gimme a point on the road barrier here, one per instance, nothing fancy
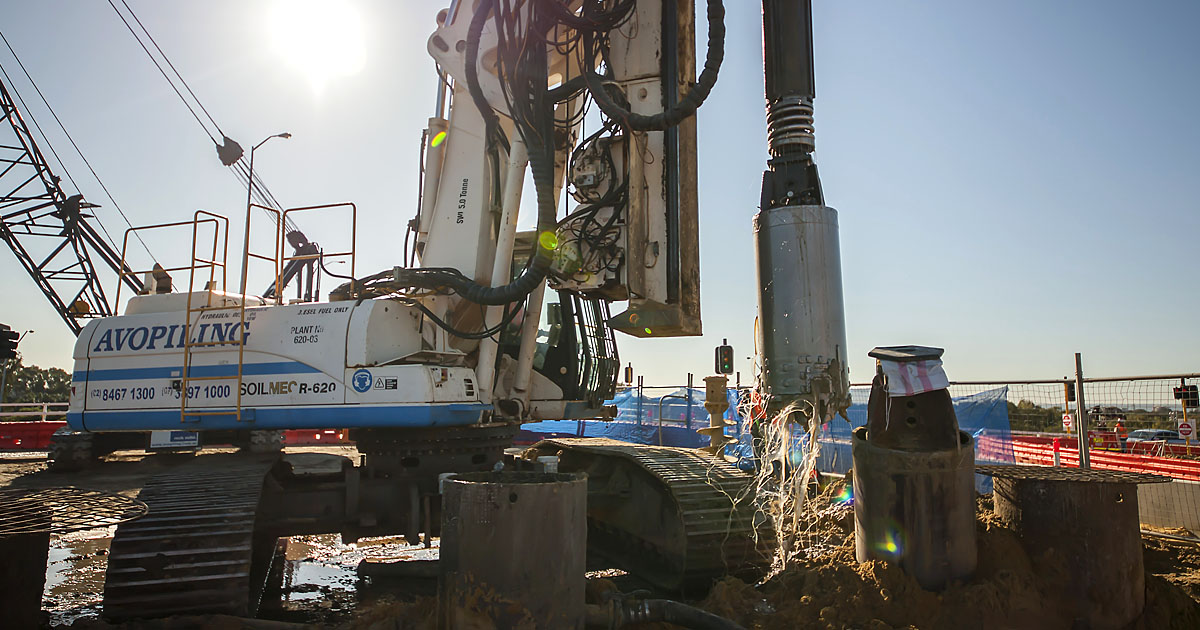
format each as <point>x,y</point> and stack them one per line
<point>27,436</point>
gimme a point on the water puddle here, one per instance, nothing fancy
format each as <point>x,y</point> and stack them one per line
<point>322,581</point>
<point>319,582</point>
<point>75,574</point>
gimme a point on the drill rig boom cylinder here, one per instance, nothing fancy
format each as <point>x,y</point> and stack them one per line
<point>518,159</point>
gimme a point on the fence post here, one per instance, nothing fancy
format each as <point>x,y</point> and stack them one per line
<point>45,408</point>
<point>1081,423</point>
<point>688,420</point>
<point>1187,438</point>
<point>640,393</point>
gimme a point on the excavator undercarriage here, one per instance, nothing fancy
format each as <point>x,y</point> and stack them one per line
<point>673,517</point>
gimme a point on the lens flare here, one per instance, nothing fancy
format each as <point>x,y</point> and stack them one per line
<point>438,139</point>
<point>548,240</point>
<point>892,543</point>
<point>846,496</point>
<point>649,332</point>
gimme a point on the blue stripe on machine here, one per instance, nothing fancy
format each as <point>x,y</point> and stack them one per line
<point>176,371</point>
<point>275,418</point>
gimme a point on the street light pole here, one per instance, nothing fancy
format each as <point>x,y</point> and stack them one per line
<point>249,200</point>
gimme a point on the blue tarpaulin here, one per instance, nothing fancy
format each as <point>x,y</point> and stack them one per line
<point>638,419</point>
<point>682,412</point>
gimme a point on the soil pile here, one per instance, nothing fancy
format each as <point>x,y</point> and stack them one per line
<point>1009,590</point>
<point>1176,561</point>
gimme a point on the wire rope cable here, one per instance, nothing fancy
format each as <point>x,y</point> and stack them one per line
<point>258,189</point>
<point>62,166</point>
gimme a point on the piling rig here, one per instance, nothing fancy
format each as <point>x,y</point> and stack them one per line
<point>433,364</point>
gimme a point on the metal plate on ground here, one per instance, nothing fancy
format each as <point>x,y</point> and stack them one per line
<point>1051,473</point>
<point>23,510</point>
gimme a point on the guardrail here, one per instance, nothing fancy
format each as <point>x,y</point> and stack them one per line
<point>10,412</point>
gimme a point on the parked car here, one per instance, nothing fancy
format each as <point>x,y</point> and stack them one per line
<point>1148,435</point>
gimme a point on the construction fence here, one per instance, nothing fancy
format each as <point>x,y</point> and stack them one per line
<point>1135,424</point>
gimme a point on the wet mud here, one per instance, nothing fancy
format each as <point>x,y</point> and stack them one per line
<point>321,584</point>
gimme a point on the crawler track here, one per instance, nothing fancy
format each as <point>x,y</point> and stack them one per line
<point>675,517</point>
<point>196,550</point>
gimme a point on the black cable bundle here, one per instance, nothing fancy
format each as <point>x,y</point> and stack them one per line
<point>522,70</point>
<point>687,105</point>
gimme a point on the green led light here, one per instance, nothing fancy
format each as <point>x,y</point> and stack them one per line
<point>548,240</point>
<point>438,138</point>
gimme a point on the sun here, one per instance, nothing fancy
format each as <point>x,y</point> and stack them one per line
<point>320,39</point>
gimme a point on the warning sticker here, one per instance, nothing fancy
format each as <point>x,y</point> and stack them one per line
<point>387,382</point>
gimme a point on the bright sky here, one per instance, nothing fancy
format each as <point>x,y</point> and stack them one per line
<point>1015,179</point>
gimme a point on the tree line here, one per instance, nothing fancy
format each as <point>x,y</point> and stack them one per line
<point>1027,416</point>
<point>33,384</point>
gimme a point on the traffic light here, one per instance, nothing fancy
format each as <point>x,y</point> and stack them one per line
<point>8,343</point>
<point>724,358</point>
<point>629,373</point>
<point>1070,389</point>
<point>1188,394</point>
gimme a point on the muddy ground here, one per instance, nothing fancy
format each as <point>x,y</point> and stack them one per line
<point>1010,589</point>
<point>321,587</point>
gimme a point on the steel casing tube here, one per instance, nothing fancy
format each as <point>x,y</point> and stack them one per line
<point>916,508</point>
<point>802,321</point>
<point>513,551</point>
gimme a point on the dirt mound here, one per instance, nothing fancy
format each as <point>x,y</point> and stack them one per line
<point>1176,561</point>
<point>1009,590</point>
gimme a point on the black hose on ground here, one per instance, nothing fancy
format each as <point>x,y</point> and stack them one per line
<point>651,610</point>
<point>624,612</point>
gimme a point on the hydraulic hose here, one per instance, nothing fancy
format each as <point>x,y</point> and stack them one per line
<point>541,157</point>
<point>687,105</point>
<point>541,165</point>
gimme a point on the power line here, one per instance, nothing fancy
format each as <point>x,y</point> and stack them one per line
<point>29,114</point>
<point>240,168</point>
<point>172,66</point>
<point>73,144</point>
<point>160,69</point>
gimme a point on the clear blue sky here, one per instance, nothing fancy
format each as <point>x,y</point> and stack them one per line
<point>1016,180</point>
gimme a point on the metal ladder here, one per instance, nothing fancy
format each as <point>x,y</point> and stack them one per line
<point>214,261</point>
<point>194,338</point>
